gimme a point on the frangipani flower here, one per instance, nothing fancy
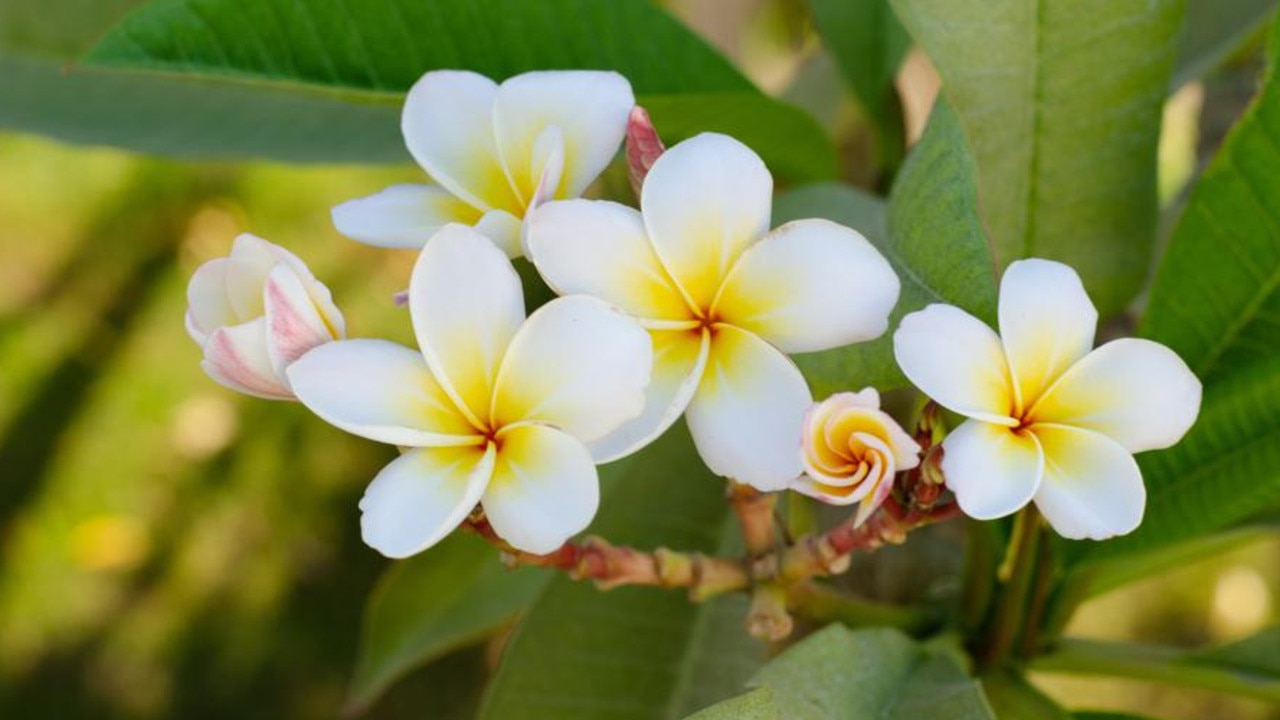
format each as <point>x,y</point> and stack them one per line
<point>494,410</point>
<point>495,151</point>
<point>1049,419</point>
<point>851,450</point>
<point>723,297</point>
<point>255,312</point>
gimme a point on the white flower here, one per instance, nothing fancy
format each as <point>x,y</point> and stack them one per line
<point>495,409</point>
<point>1050,420</point>
<point>255,312</point>
<point>851,451</point>
<point>723,297</point>
<point>495,151</point>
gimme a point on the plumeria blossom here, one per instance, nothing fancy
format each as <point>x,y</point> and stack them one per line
<point>1050,420</point>
<point>851,451</point>
<point>495,151</point>
<point>255,312</point>
<point>495,409</point>
<point>723,298</point>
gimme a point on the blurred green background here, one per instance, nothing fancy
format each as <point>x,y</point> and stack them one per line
<point>171,549</point>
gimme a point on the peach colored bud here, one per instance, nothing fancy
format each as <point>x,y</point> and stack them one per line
<point>643,147</point>
<point>256,311</point>
<point>851,452</point>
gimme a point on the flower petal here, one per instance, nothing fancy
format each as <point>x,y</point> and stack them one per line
<point>545,488</point>
<point>421,496</point>
<point>237,357</point>
<point>589,108</point>
<point>595,247</point>
<point>1092,488</point>
<point>1137,392</point>
<point>705,201</point>
<point>503,229</point>
<point>578,363</point>
<point>1046,323</point>
<point>402,216</point>
<point>679,359</point>
<point>208,306</point>
<point>294,324</point>
<point>992,470</point>
<point>957,360</point>
<point>810,285</point>
<point>379,390</point>
<point>747,415</point>
<point>248,265</point>
<point>466,303</point>
<point>448,127</point>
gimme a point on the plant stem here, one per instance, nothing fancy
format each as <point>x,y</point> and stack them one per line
<point>979,576</point>
<point>1019,566</point>
<point>820,603</point>
<point>1041,588</point>
<point>1160,664</point>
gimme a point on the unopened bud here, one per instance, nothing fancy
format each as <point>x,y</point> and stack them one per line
<point>643,147</point>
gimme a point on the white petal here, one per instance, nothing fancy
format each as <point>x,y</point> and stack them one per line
<point>747,415</point>
<point>466,303</point>
<point>1046,323</point>
<point>237,357</point>
<point>402,216</point>
<point>578,363</point>
<point>810,285</point>
<point>595,247</point>
<point>1092,488</point>
<point>590,108</point>
<point>544,490</point>
<point>208,307</point>
<point>503,229</point>
<point>448,127</point>
<point>705,201</point>
<point>294,325</point>
<point>992,470</point>
<point>379,390</point>
<point>957,360</point>
<point>679,358</point>
<point>1137,392</point>
<point>422,496</point>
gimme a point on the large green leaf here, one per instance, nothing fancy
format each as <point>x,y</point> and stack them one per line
<point>1013,698</point>
<point>1216,302</point>
<point>633,653</point>
<point>1212,31</point>
<point>868,44</point>
<point>839,674</point>
<point>1061,102</point>
<point>934,198</point>
<point>354,60</point>
<point>452,595</point>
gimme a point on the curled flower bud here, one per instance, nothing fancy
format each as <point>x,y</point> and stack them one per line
<point>851,451</point>
<point>643,147</point>
<point>255,312</point>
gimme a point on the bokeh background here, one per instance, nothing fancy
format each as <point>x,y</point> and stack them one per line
<point>169,549</point>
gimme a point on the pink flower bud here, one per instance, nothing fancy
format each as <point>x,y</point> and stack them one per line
<point>255,312</point>
<point>643,147</point>
<point>852,450</point>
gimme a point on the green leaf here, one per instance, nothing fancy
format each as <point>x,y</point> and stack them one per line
<point>1106,716</point>
<point>934,197</point>
<point>755,705</point>
<point>355,60</point>
<point>1061,102</point>
<point>1213,30</point>
<point>634,652</point>
<point>455,594</point>
<point>1216,302</point>
<point>881,674</point>
<point>1248,668</point>
<point>1013,698</point>
<point>868,44</point>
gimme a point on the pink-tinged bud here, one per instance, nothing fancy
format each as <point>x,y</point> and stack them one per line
<point>643,147</point>
<point>851,452</point>
<point>255,312</point>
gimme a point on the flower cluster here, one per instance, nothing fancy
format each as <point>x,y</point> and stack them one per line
<point>687,306</point>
